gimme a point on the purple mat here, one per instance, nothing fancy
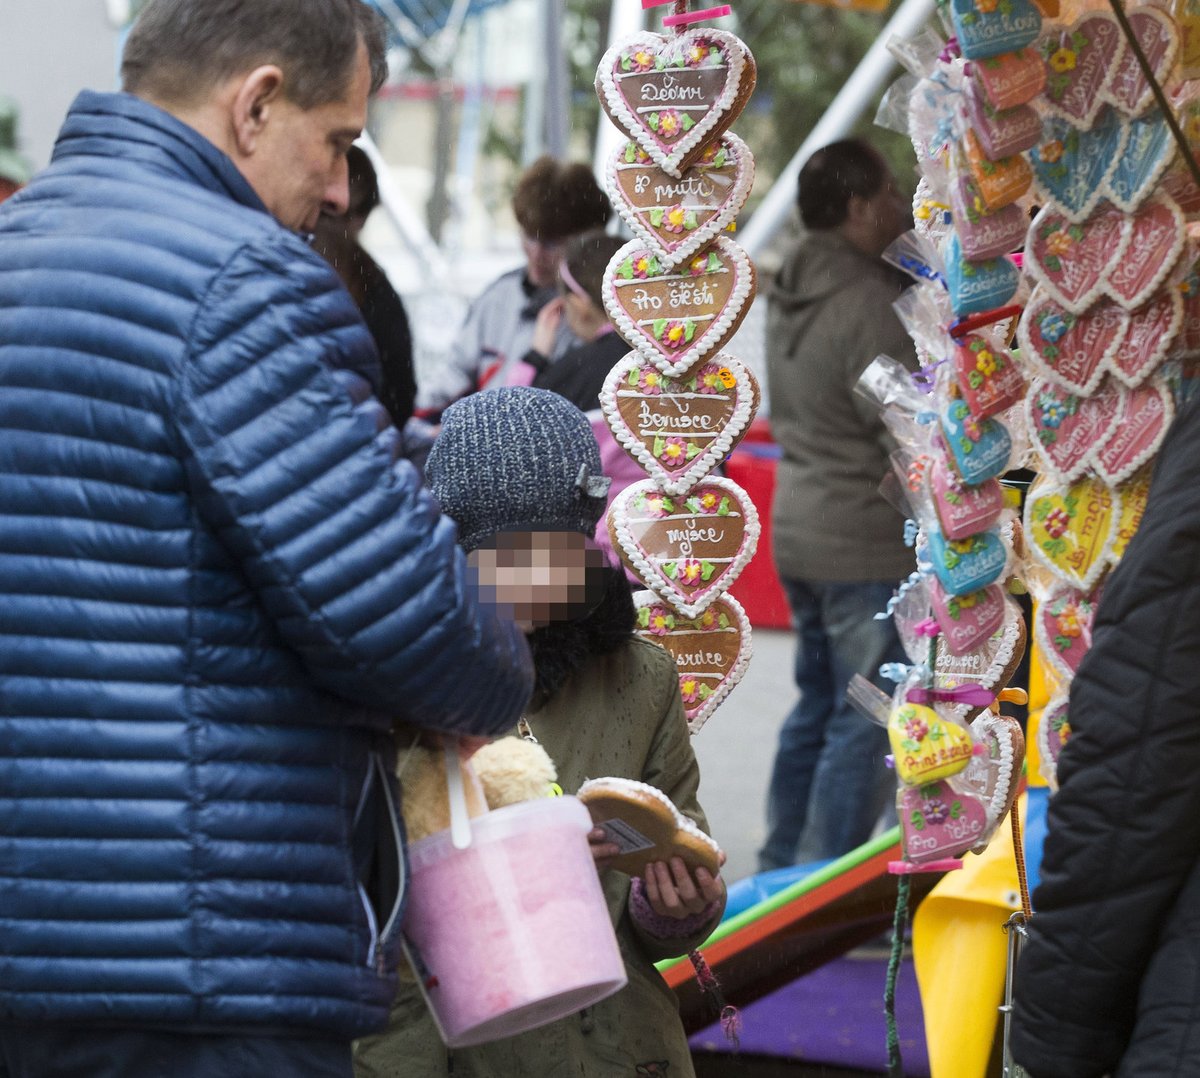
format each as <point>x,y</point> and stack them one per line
<point>833,1015</point>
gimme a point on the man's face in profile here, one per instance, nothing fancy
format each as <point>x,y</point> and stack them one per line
<point>540,577</point>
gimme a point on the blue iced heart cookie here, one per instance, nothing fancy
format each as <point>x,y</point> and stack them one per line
<point>1072,168</point>
<point>989,27</point>
<point>977,286</point>
<point>968,564</point>
<point>979,448</point>
<point>1149,151</point>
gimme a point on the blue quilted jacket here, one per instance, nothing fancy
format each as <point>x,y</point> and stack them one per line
<point>217,591</point>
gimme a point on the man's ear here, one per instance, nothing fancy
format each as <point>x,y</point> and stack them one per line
<point>253,101</point>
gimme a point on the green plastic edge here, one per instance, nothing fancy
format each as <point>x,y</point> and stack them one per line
<point>789,894</point>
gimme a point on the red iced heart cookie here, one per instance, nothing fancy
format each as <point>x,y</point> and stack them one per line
<point>1149,338</point>
<point>677,215</point>
<point>991,663</point>
<point>1063,630</point>
<point>995,774</point>
<point>675,95</point>
<point>938,821</point>
<point>1079,59</point>
<point>676,317</point>
<point>711,650</point>
<point>1155,241</point>
<point>1065,428</point>
<point>1144,415</point>
<point>966,621</point>
<point>687,549</point>
<point>679,429</point>
<point>1072,261</point>
<point>1071,349</point>
<point>963,510</point>
<point>1010,79</point>
<point>988,376</point>
<point>1127,87</point>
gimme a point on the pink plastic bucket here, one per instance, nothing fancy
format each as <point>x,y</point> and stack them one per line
<point>512,932</point>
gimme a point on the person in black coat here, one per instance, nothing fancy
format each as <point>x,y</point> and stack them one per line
<point>1109,980</point>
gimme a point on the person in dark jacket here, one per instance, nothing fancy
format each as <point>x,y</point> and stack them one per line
<point>838,545</point>
<point>1108,981</point>
<point>218,588</point>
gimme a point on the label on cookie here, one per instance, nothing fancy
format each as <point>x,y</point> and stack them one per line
<point>627,839</point>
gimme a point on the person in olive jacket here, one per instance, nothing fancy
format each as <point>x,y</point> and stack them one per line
<point>1109,980</point>
<point>218,587</point>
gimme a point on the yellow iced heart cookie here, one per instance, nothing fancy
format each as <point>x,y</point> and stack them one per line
<point>1133,493</point>
<point>925,746</point>
<point>1072,529</point>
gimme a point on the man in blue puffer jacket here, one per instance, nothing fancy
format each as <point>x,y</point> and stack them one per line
<point>218,588</point>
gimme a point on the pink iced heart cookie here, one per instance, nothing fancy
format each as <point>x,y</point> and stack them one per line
<point>1001,132</point>
<point>991,663</point>
<point>677,215</point>
<point>1065,428</point>
<point>1054,731</point>
<point>679,429</point>
<point>675,95</point>
<point>677,316</point>
<point>1149,338</point>
<point>688,549</point>
<point>963,510</point>
<point>1155,32</point>
<point>1063,629</point>
<point>938,821</point>
<point>983,233</point>
<point>1079,59</point>
<point>1155,241</point>
<point>1010,79</point>
<point>1071,349</point>
<point>1143,417</point>
<point>966,621</point>
<point>994,775</point>
<point>711,650</point>
<point>1072,261</point>
<point>990,380</point>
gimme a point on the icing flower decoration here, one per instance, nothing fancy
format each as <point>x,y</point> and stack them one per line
<point>1068,623</point>
<point>714,156</point>
<point>674,452</point>
<point>709,620</point>
<point>659,620</point>
<point>675,219</point>
<point>690,572</point>
<point>1054,411</point>
<point>698,265</point>
<point>696,55</point>
<point>650,381</point>
<point>1054,326</point>
<point>709,379</point>
<point>707,503</point>
<point>985,363</point>
<point>645,265</point>
<point>689,688</point>
<point>1063,60</point>
<point>642,60</point>
<point>1057,522</point>
<point>936,811</point>
<point>916,729</point>
<point>972,429</point>
<point>1190,285</point>
<point>1051,151</point>
<point>656,505</point>
<point>986,7</point>
<point>675,335</point>
<point>668,123</point>
<point>1060,243</point>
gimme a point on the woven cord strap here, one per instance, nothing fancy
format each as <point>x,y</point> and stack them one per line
<point>895,1063</point>
<point>731,1021</point>
<point>1019,855</point>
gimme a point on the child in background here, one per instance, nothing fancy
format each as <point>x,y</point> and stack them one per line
<point>522,463</point>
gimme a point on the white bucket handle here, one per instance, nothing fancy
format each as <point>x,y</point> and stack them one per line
<point>460,817</point>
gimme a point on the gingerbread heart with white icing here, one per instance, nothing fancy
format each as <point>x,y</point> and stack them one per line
<point>962,510</point>
<point>966,621</point>
<point>1071,528</point>
<point>1071,349</point>
<point>1155,241</point>
<point>1065,428</point>
<point>990,380</point>
<point>1053,732</point>
<point>675,316</point>
<point>675,95</point>
<point>1149,338</point>
<point>1134,493</point>
<point>994,775</point>
<point>711,650</point>
<point>1143,417</point>
<point>1079,60</point>
<point>989,662</point>
<point>1073,261</point>
<point>679,429</point>
<point>939,822</point>
<point>1127,87</point>
<point>680,214</point>
<point>1148,153</point>
<point>688,549</point>
<point>1063,629</point>
<point>1010,79</point>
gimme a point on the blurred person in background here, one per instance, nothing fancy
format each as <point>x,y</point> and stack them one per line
<point>14,169</point>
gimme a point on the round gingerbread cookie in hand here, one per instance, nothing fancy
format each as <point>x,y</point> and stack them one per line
<point>642,821</point>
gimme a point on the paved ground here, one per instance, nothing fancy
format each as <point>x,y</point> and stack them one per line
<point>736,747</point>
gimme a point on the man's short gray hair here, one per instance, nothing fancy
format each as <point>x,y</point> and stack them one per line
<point>178,50</point>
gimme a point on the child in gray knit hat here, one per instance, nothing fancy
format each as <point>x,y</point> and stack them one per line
<point>518,469</point>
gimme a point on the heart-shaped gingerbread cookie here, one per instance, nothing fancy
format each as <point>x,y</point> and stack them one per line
<point>962,510</point>
<point>1134,493</point>
<point>1155,32</point>
<point>938,821</point>
<point>989,662</point>
<point>966,622</point>
<point>1079,60</point>
<point>1073,261</point>
<point>678,215</point>
<point>675,95</point>
<point>1010,79</point>
<point>1143,416</point>
<point>689,549</point>
<point>1063,629</point>
<point>995,775</point>
<point>1071,349</point>
<point>1053,732</point>
<point>990,380</point>
<point>1071,528</point>
<point>926,746</point>
<point>1155,241</point>
<point>679,429</point>
<point>711,650</point>
<point>1001,131</point>
<point>1072,168</point>
<point>677,316</point>
<point>1065,428</point>
<point>1149,338</point>
<point>1148,153</point>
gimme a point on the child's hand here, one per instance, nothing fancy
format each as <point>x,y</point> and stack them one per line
<point>545,329</point>
<point>603,851</point>
<point>673,892</point>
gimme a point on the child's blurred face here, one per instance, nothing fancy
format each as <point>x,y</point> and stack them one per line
<point>578,312</point>
<point>540,577</point>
